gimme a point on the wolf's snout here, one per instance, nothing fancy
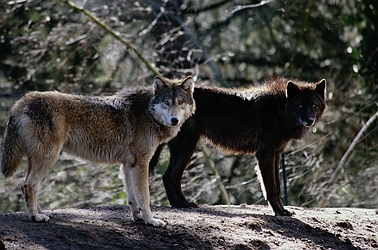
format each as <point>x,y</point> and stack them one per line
<point>174,121</point>
<point>309,122</point>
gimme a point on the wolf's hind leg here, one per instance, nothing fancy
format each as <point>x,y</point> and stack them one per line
<point>130,191</point>
<point>40,211</point>
<point>29,190</point>
<point>38,167</point>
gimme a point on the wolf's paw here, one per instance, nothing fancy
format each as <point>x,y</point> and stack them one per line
<point>46,213</point>
<point>137,216</point>
<point>156,223</point>
<point>40,218</point>
<point>184,204</point>
<point>284,212</point>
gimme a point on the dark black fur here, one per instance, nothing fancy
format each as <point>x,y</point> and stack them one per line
<point>262,120</point>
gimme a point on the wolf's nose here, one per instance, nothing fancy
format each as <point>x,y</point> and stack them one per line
<point>174,121</point>
<point>310,122</point>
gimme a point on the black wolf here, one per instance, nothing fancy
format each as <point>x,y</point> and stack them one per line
<point>261,120</point>
<point>124,128</point>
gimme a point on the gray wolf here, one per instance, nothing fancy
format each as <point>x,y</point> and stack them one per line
<point>261,120</point>
<point>124,128</point>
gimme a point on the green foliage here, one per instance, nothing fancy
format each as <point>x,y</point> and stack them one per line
<point>46,45</point>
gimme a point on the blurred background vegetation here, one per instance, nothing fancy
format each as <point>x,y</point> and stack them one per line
<point>47,45</point>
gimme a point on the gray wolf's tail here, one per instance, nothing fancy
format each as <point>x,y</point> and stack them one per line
<point>11,149</point>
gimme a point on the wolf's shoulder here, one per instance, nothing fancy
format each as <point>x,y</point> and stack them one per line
<point>134,95</point>
<point>129,98</point>
<point>135,92</point>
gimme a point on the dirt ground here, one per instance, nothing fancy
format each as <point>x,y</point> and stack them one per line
<point>206,227</point>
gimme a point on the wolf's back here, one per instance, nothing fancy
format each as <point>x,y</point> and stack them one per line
<point>11,148</point>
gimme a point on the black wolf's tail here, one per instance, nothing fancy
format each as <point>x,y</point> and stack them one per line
<point>11,149</point>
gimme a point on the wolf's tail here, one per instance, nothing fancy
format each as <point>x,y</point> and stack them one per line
<point>11,148</point>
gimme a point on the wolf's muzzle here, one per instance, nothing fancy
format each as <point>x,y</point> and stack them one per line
<point>309,122</point>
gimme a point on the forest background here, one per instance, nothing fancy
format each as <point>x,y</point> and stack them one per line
<point>49,45</point>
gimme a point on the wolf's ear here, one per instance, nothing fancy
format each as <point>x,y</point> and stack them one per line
<point>292,90</point>
<point>321,88</point>
<point>159,85</point>
<point>188,85</point>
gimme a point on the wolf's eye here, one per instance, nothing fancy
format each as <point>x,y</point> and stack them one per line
<point>300,106</point>
<point>166,103</point>
<point>180,102</point>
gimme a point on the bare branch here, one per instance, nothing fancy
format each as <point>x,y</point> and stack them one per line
<point>183,25</point>
<point>243,7</point>
<point>347,154</point>
<point>206,7</point>
<point>115,34</point>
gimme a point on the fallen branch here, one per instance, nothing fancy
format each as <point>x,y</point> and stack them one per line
<point>115,34</point>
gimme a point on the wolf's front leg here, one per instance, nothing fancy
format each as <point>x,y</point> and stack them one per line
<point>139,182</point>
<point>269,168</point>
